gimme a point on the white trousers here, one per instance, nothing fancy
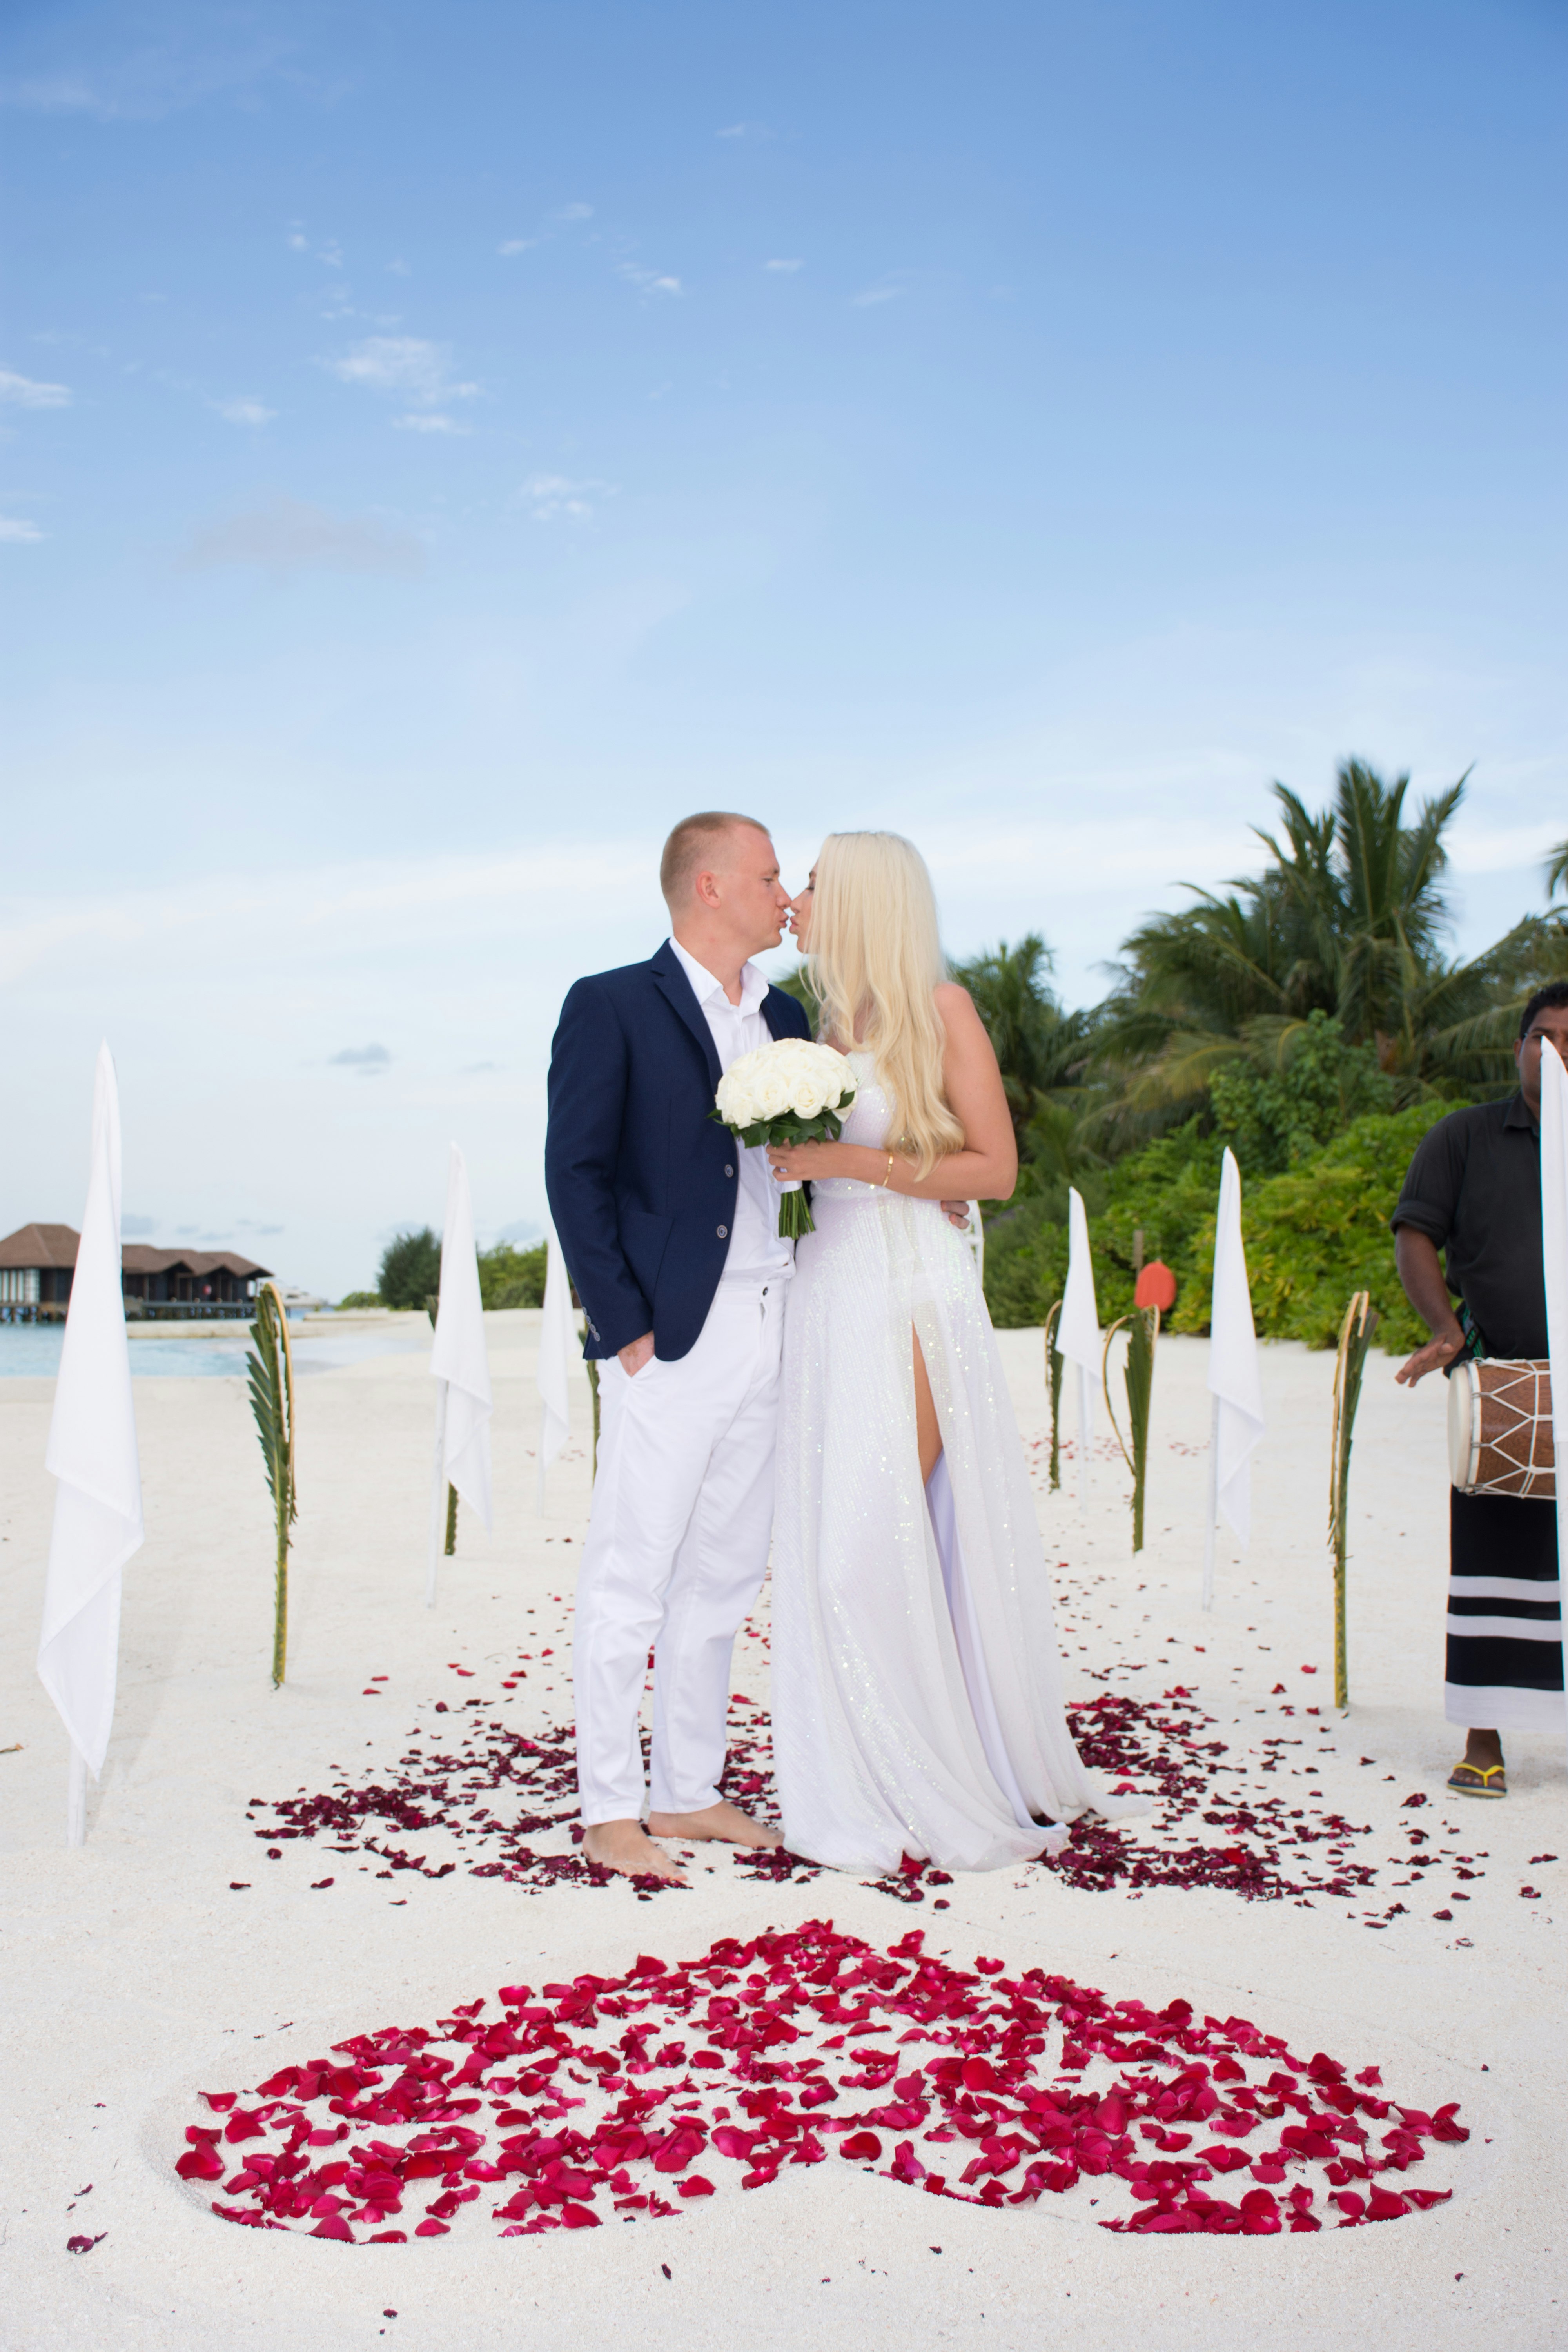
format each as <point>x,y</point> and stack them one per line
<point>675,1557</point>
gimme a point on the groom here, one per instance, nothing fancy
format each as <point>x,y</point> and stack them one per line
<point>670,1229</point>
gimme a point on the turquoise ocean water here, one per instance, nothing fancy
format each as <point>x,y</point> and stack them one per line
<point>32,1350</point>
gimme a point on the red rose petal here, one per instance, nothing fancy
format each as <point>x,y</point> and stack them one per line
<point>794,2017</point>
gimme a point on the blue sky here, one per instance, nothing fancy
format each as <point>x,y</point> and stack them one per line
<point>440,448</point>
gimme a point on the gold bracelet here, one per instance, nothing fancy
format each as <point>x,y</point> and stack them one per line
<point>889,1177</point>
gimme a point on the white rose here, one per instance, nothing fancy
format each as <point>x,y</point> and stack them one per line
<point>771,1091</point>
<point>807,1097</point>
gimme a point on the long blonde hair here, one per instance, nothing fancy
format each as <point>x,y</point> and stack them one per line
<point>876,961</point>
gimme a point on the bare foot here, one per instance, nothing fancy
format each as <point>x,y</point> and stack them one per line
<point>724,1822</point>
<point>622,1846</point>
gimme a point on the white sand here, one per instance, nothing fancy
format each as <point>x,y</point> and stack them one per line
<point>133,1975</point>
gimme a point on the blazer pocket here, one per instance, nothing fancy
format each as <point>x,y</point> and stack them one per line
<point>644,1238</point>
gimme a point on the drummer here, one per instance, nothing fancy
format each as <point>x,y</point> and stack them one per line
<point>1473,1190</point>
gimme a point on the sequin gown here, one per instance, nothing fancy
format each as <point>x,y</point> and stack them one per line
<point>917,1691</point>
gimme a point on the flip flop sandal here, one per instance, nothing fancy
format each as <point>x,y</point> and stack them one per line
<point>1479,1780</point>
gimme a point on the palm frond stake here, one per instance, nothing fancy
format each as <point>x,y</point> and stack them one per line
<point>1053,1361</point>
<point>270,1368</point>
<point>1142,1329</point>
<point>1355,1338</point>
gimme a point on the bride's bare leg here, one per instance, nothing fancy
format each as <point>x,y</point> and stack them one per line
<point>928,1429</point>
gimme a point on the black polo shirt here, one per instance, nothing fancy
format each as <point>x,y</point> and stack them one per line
<point>1474,1187</point>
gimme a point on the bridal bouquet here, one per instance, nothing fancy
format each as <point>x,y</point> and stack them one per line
<point>789,1092</point>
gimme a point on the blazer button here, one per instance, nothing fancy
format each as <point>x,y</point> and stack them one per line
<point>723,1233</point>
<point>727,1169</point>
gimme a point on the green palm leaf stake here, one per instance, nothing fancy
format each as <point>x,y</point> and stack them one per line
<point>1142,1329</point>
<point>271,1367</point>
<point>1355,1338</point>
<point>432,1307</point>
<point>1054,1383</point>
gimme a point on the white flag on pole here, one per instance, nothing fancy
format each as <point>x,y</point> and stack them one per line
<point>93,1453</point>
<point>1555,1246</point>
<point>457,1357</point>
<point>557,1342</point>
<point>1078,1330</point>
<point>1233,1380</point>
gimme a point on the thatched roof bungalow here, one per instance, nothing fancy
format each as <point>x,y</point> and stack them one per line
<point>37,1263</point>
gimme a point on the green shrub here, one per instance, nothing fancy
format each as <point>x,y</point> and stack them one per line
<point>359,1298</point>
<point>1314,1233</point>
<point>512,1277</point>
<point>410,1269</point>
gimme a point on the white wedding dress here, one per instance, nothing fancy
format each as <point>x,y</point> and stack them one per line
<point>917,1691</point>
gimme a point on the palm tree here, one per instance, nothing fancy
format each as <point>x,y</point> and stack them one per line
<point>1041,1049</point>
<point>1347,919</point>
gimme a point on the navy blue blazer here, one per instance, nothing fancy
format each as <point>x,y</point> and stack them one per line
<point>642,1182</point>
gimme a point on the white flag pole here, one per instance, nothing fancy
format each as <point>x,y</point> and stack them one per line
<point>557,1345</point>
<point>1078,1333</point>
<point>91,1455</point>
<point>461,1372</point>
<point>1554,1251</point>
<point>1233,1376</point>
<point>438,1495</point>
<point>1211,1517</point>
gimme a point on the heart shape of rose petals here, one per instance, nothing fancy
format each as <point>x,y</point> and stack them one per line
<point>595,2097</point>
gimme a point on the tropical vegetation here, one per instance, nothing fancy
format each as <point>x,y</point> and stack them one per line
<point>1309,1017</point>
<point>410,1273</point>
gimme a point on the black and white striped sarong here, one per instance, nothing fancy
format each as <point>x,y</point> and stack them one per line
<point>1505,1615</point>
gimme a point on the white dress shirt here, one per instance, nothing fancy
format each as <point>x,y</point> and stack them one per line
<point>756,1252</point>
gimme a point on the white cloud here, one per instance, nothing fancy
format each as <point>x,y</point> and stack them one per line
<point>887,290</point>
<point>25,392</point>
<point>290,536</point>
<point>744,131</point>
<point>404,364</point>
<point>573,213</point>
<point>787,267</point>
<point>552,496</point>
<point>428,421</point>
<point>244,411</point>
<point>649,281</point>
<point>398,268</point>
<point>517,245</point>
<point>15,531</point>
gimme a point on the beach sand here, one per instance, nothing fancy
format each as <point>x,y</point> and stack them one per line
<point>169,1956</point>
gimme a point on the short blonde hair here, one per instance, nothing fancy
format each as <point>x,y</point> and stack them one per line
<point>693,844</point>
<point>876,963</point>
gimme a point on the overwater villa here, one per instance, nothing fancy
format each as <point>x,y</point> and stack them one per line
<point>37,1263</point>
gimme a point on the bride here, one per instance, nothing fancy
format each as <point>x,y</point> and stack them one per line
<point>917,1692</point>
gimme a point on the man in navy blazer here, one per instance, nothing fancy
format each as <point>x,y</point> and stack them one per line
<point>670,1229</point>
